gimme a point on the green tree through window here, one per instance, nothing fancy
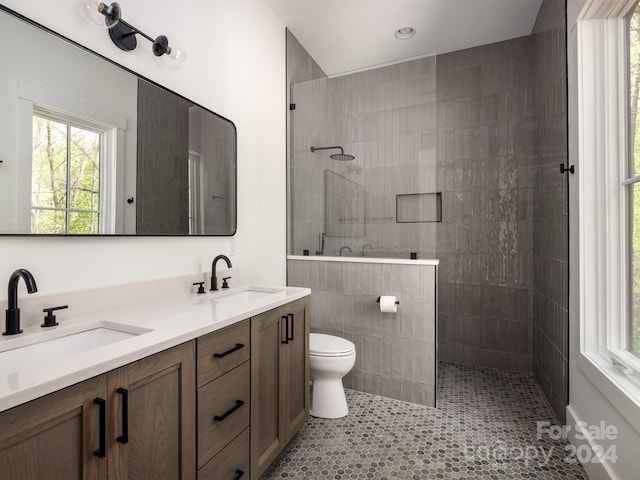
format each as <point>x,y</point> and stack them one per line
<point>65,185</point>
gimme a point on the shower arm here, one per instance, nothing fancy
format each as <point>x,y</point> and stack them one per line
<point>313,149</point>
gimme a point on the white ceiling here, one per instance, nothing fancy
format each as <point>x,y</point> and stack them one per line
<point>350,35</point>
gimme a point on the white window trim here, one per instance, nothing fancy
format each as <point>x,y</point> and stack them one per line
<point>603,120</point>
<point>113,126</point>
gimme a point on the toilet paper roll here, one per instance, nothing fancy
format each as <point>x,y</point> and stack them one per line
<point>388,304</point>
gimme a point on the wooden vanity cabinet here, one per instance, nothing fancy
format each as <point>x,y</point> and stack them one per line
<point>279,380</point>
<point>222,406</point>
<point>57,436</point>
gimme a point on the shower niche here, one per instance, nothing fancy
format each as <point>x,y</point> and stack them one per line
<point>419,207</point>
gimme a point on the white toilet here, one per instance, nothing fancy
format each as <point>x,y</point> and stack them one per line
<point>330,359</point>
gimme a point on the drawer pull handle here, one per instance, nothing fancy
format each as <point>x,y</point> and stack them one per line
<point>286,329</point>
<point>124,438</point>
<point>239,475</point>
<point>290,317</point>
<point>234,349</point>
<point>219,418</point>
<point>101,452</point>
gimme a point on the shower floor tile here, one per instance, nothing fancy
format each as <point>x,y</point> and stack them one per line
<point>484,428</point>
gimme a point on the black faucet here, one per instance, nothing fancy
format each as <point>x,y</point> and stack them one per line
<point>13,312</point>
<point>214,279</point>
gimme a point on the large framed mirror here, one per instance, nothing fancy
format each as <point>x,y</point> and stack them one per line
<point>88,147</point>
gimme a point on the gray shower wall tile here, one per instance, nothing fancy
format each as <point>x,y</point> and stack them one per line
<point>360,321</point>
<point>371,383</point>
<point>413,319</point>
<point>417,283</point>
<point>392,388</point>
<point>325,310</point>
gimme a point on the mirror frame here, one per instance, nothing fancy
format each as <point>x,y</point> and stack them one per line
<point>58,35</point>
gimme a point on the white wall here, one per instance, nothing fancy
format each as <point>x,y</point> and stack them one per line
<point>587,403</point>
<point>236,67</point>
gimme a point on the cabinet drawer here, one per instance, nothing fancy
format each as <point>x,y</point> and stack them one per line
<point>223,411</point>
<point>222,351</point>
<point>231,463</point>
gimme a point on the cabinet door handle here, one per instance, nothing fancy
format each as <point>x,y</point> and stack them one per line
<point>290,317</point>
<point>234,349</point>
<point>101,452</point>
<point>239,475</point>
<point>219,418</point>
<point>286,326</point>
<point>124,438</point>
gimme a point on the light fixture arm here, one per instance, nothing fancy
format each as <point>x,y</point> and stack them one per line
<point>123,34</point>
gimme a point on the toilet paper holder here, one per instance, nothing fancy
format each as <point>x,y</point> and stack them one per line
<point>397,301</point>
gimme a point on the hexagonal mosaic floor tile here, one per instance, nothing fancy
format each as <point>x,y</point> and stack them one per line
<point>485,427</point>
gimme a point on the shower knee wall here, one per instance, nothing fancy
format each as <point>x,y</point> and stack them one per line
<point>395,353</point>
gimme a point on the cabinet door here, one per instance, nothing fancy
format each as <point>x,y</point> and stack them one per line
<point>294,368</point>
<point>266,426</point>
<point>55,436</point>
<point>158,394</point>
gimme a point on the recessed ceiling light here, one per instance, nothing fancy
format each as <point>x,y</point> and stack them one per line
<point>405,32</point>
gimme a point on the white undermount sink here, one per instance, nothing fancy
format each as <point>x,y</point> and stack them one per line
<point>43,349</point>
<point>247,295</point>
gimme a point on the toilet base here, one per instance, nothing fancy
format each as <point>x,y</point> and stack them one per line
<point>328,399</point>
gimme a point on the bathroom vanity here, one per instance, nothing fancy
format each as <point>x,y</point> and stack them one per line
<point>218,388</point>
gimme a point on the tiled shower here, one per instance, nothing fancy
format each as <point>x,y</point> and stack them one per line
<point>457,159</point>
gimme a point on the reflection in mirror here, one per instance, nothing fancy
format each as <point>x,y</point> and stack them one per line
<point>88,147</point>
<point>185,166</point>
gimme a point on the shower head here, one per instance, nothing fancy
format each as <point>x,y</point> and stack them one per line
<point>343,157</point>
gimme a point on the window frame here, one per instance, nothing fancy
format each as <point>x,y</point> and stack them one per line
<point>603,118</point>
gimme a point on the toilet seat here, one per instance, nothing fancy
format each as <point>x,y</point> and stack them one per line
<point>321,345</point>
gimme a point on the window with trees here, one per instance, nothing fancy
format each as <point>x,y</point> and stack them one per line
<point>65,189</point>
<point>608,91</point>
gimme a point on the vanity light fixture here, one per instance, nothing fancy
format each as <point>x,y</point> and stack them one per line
<point>405,33</point>
<point>123,34</point>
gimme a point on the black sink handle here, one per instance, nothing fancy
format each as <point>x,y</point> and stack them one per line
<point>50,318</point>
<point>219,418</point>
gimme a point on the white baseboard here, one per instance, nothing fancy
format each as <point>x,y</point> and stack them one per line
<point>595,471</point>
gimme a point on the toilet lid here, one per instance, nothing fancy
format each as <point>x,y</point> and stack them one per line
<point>323,345</point>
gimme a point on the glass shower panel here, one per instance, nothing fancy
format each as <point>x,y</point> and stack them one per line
<point>386,119</point>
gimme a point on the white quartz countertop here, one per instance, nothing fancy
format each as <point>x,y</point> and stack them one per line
<point>167,322</point>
